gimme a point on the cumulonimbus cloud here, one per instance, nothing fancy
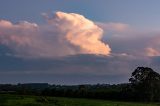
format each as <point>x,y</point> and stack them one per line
<point>64,34</point>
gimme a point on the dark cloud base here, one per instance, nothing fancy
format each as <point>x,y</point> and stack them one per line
<point>76,69</point>
<point>62,79</point>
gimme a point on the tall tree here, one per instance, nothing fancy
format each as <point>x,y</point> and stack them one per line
<point>146,84</point>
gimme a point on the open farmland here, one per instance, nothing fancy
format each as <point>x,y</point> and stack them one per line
<point>16,100</point>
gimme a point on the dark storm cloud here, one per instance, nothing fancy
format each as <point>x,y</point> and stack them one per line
<point>72,69</point>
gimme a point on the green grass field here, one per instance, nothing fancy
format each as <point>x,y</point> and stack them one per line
<point>15,100</point>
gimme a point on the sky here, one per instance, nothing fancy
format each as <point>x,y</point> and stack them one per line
<point>77,41</point>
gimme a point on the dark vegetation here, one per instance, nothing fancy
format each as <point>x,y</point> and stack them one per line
<point>144,85</point>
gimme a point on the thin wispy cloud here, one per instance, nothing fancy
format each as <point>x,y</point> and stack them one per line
<point>114,26</point>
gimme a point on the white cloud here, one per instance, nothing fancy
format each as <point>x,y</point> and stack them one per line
<point>64,34</point>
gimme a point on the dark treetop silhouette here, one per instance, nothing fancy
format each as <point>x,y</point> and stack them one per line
<point>144,86</point>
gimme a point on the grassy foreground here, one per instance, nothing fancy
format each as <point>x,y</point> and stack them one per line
<point>15,100</point>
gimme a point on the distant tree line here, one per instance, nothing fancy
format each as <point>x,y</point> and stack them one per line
<point>144,85</point>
